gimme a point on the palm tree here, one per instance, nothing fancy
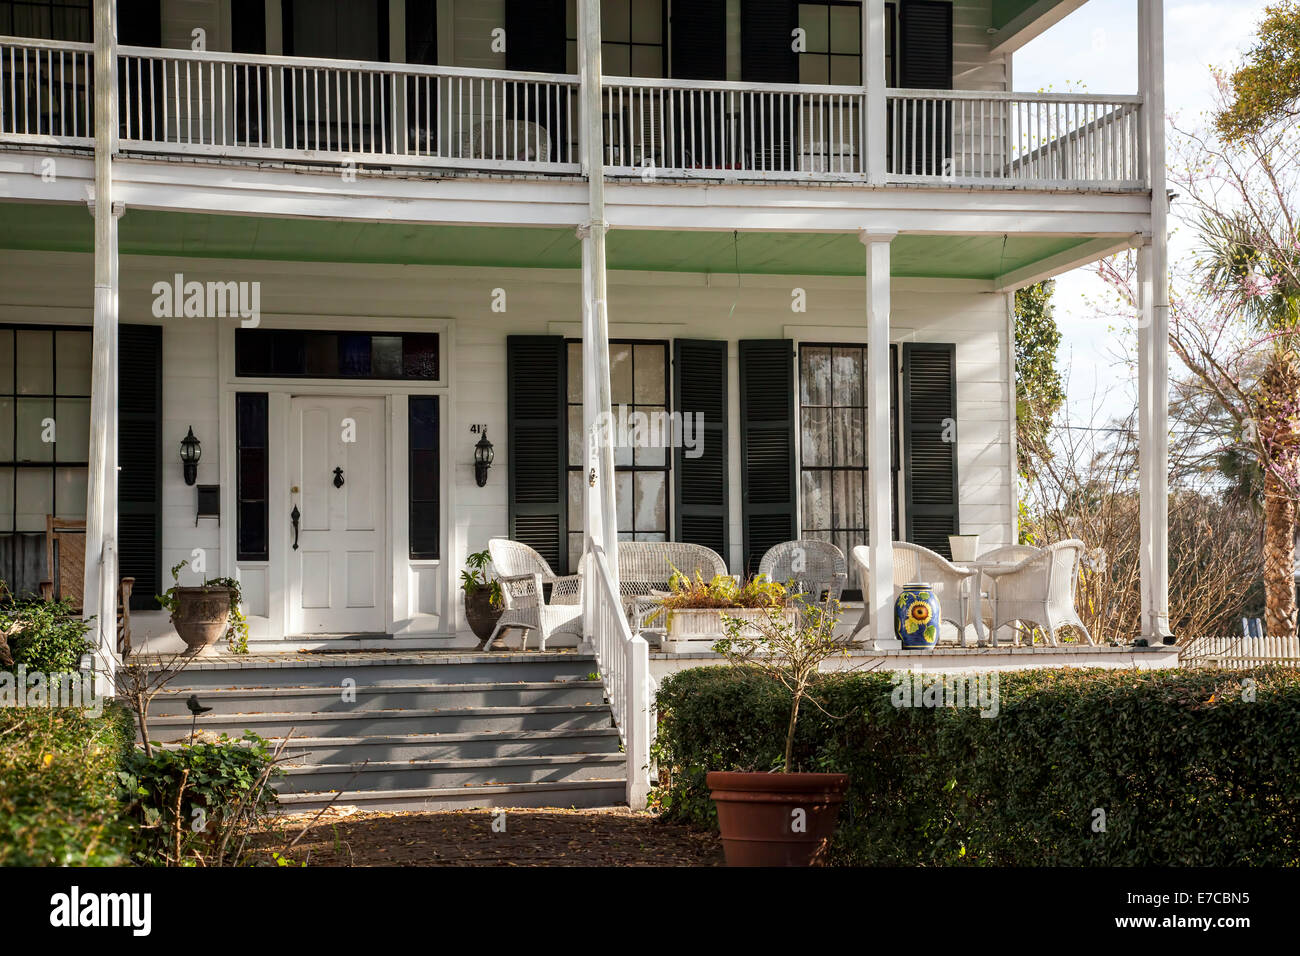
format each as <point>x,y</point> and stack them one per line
<point>1257,275</point>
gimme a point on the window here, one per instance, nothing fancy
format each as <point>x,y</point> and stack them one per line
<point>638,374</point>
<point>423,475</point>
<point>49,20</point>
<point>632,37</point>
<point>833,43</point>
<point>251,482</point>
<point>833,474</point>
<point>44,425</point>
<point>294,353</point>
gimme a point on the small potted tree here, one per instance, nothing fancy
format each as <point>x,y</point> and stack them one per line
<point>780,818</point>
<point>483,601</point>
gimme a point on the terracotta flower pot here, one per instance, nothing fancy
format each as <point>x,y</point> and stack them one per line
<point>201,616</point>
<point>480,613</point>
<point>758,819</point>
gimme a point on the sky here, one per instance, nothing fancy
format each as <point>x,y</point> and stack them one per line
<point>1094,50</point>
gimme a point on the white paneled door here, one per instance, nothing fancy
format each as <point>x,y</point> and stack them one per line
<point>337,479</point>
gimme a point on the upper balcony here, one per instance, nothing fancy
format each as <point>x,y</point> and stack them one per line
<point>349,103</point>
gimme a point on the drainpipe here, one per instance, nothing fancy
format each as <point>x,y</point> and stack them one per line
<point>100,598</point>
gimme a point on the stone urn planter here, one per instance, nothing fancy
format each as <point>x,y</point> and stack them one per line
<point>698,629</point>
<point>759,815</point>
<point>480,613</point>
<point>201,616</point>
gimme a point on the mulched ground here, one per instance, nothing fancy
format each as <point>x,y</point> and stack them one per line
<point>606,837</point>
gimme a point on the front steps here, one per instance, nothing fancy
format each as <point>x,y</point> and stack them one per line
<point>413,730</point>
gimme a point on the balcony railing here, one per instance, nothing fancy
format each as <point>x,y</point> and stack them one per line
<point>187,103</point>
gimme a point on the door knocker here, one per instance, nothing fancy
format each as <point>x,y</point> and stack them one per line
<point>338,477</point>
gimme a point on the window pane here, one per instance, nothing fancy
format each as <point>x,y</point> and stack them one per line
<point>354,356</point>
<point>386,356</point>
<point>652,501</point>
<point>35,493</point>
<point>814,68</point>
<point>846,376</point>
<point>72,357</point>
<point>6,361</point>
<point>846,511</point>
<point>846,71</point>
<point>72,420</point>
<point>816,500</point>
<point>650,373</point>
<point>323,356</point>
<point>6,499</point>
<point>815,436</point>
<point>6,429</point>
<point>425,476</point>
<point>35,363</point>
<point>575,371</point>
<point>815,376</point>
<point>30,439</point>
<point>846,29</point>
<point>615,20</point>
<point>654,438</point>
<point>70,492</point>
<point>420,356</point>
<point>647,21</point>
<point>623,500</point>
<point>847,438</point>
<point>647,61</point>
<point>575,550</point>
<point>620,375</point>
<point>575,502</point>
<point>616,59</point>
<point>576,436</point>
<point>813,21</point>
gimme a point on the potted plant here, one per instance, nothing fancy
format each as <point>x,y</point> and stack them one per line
<point>203,614</point>
<point>695,609</point>
<point>483,600</point>
<point>780,818</point>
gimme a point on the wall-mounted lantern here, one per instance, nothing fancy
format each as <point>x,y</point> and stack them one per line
<point>482,459</point>
<point>191,452</point>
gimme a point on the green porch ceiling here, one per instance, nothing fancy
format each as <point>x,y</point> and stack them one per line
<point>153,233</point>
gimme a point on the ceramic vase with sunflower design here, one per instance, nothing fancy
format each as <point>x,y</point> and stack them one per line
<point>916,617</point>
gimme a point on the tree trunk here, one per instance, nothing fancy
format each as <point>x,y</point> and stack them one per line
<point>1279,558</point>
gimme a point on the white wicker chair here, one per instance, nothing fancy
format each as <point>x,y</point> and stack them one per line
<point>950,583</point>
<point>645,567</point>
<point>1010,554</point>
<point>813,567</point>
<point>1040,590</point>
<point>523,574</point>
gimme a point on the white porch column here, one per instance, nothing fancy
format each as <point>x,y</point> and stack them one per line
<point>100,600</point>
<point>600,520</point>
<point>873,79</point>
<point>879,590</point>
<point>1153,340</point>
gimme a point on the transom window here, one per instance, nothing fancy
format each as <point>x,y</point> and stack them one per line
<point>631,34</point>
<point>303,353</point>
<point>638,373</point>
<point>833,423</point>
<point>44,425</point>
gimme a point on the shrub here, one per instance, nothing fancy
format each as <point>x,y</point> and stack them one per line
<point>197,803</point>
<point>58,786</point>
<point>1186,770</point>
<point>47,636</point>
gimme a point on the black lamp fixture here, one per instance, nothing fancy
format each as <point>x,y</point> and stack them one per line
<point>191,452</point>
<point>482,459</point>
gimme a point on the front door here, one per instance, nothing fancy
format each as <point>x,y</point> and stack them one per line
<point>337,476</point>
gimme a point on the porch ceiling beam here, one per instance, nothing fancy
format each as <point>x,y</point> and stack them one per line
<point>1054,265</point>
<point>1032,23</point>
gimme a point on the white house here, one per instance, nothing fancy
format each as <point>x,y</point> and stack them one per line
<point>341,240</point>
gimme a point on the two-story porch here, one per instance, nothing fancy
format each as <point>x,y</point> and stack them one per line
<point>399,196</point>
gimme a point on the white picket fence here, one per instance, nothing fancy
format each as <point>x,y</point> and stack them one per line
<point>1239,651</point>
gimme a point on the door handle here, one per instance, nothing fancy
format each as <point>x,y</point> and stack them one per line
<point>338,477</point>
<point>294,515</point>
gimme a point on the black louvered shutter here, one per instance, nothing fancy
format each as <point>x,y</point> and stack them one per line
<point>767,463</point>
<point>700,388</point>
<point>139,458</point>
<point>925,53</point>
<point>930,443</point>
<point>535,43</point>
<point>698,34</point>
<point>537,417</point>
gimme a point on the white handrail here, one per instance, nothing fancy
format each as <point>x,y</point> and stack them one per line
<point>624,664</point>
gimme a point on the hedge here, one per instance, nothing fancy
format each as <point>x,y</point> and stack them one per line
<point>1079,767</point>
<point>58,786</point>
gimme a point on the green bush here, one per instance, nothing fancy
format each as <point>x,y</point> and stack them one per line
<point>192,804</point>
<point>1187,768</point>
<point>58,786</point>
<point>50,636</point>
